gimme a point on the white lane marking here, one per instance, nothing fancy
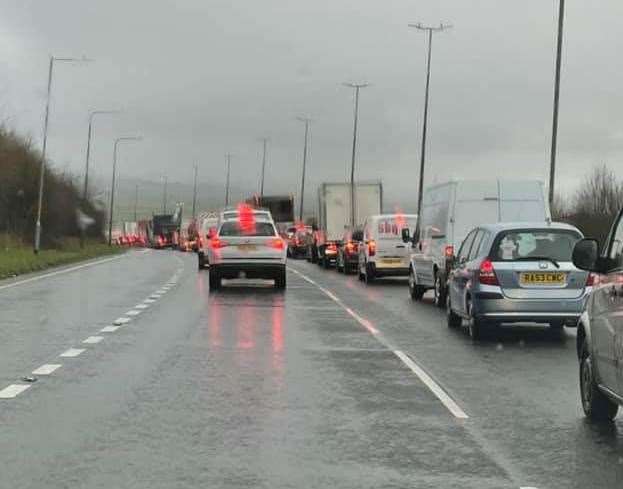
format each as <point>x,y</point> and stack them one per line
<point>162,291</point>
<point>121,320</point>
<point>109,329</point>
<point>141,306</point>
<point>59,272</point>
<point>71,353</point>
<point>147,250</point>
<point>155,296</point>
<point>12,391</point>
<point>434,387</point>
<point>46,369</point>
<point>149,301</point>
<point>133,313</point>
<point>91,340</point>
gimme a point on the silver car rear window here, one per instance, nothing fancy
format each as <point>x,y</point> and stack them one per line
<point>556,244</point>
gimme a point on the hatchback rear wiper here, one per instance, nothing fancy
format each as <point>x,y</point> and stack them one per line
<point>538,258</point>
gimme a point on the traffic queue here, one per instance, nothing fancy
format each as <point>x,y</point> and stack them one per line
<point>488,251</point>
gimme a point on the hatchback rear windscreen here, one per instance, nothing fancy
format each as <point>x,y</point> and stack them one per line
<point>234,228</point>
<point>538,243</point>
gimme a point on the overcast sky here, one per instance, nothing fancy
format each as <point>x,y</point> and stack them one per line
<point>199,78</point>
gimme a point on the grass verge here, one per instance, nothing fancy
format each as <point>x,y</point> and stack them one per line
<point>16,259</point>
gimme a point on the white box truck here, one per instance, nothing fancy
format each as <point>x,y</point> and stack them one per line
<point>334,204</point>
<point>451,210</point>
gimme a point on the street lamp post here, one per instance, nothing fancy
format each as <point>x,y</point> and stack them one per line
<point>552,166</point>
<point>264,141</point>
<point>357,87</point>
<point>92,115</point>
<point>45,145</point>
<point>165,181</point>
<point>195,192</point>
<point>112,187</point>
<point>307,121</point>
<point>429,30</point>
<point>228,158</point>
<point>135,201</point>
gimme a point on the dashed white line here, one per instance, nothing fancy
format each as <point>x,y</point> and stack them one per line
<point>72,352</point>
<point>133,312</point>
<point>92,340</point>
<point>46,369</point>
<point>59,272</point>
<point>141,306</point>
<point>109,329</point>
<point>155,296</point>
<point>121,320</point>
<point>12,391</point>
<point>433,386</point>
<point>149,301</point>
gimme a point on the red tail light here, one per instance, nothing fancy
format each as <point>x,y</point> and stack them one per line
<point>487,274</point>
<point>351,247</point>
<point>332,247</point>
<point>277,243</point>
<point>216,244</point>
<point>592,279</point>
<point>449,251</point>
<point>371,247</point>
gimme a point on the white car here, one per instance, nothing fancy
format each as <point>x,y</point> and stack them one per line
<point>207,225</point>
<point>383,251</point>
<point>247,246</point>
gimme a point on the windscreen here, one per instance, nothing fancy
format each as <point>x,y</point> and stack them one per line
<point>521,245</point>
<point>233,228</point>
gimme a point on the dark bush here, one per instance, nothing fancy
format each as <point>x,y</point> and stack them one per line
<point>19,186</point>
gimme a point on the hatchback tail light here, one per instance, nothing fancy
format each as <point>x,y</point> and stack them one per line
<point>277,243</point>
<point>371,247</point>
<point>218,244</point>
<point>487,274</point>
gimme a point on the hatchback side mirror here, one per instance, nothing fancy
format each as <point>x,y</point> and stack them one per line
<point>406,235</point>
<point>586,255</point>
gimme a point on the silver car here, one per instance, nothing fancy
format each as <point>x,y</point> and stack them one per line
<point>517,272</point>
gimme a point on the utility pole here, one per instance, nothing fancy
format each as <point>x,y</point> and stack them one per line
<point>430,30</point>
<point>195,191</point>
<point>37,242</point>
<point>357,87</point>
<point>228,158</point>
<point>135,201</point>
<point>552,166</point>
<point>164,194</point>
<point>264,141</point>
<point>112,186</point>
<point>307,121</point>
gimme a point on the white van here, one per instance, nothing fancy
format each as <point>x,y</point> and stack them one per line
<point>383,252</point>
<point>450,210</point>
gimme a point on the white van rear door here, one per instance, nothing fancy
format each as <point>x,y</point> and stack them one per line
<point>522,201</point>
<point>391,250</point>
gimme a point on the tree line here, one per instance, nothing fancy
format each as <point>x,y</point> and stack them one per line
<point>20,165</point>
<point>594,205</point>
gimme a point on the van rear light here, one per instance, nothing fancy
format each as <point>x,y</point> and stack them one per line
<point>216,244</point>
<point>486,275</point>
<point>277,243</point>
<point>371,247</point>
<point>449,251</point>
<point>592,279</point>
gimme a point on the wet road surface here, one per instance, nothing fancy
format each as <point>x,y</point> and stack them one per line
<point>329,384</point>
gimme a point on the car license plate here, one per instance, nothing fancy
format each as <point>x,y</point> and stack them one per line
<point>391,262</point>
<point>246,247</point>
<point>543,278</point>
